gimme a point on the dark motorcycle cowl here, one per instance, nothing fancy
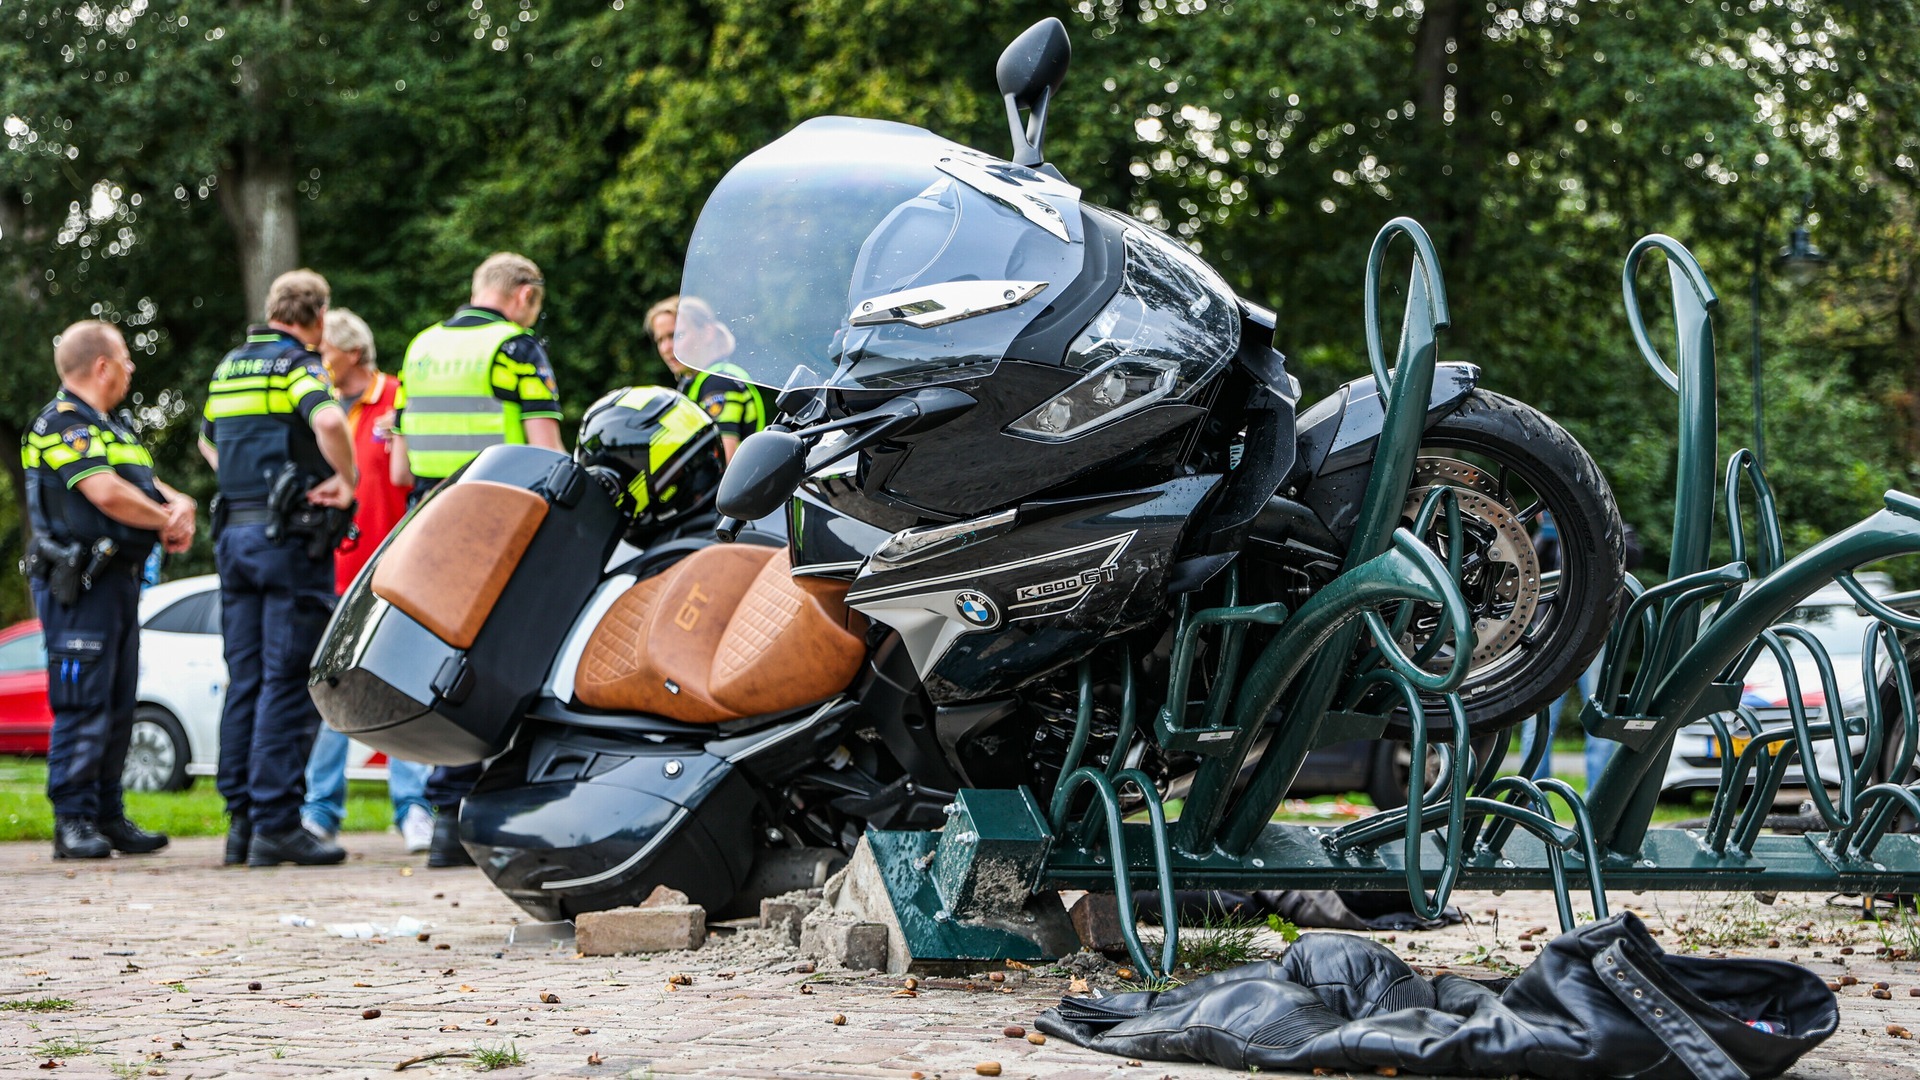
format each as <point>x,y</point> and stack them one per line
<point>570,821</point>
<point>985,606</point>
<point>397,678</point>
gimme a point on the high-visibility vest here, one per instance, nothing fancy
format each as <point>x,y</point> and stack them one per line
<point>750,414</point>
<point>451,413</point>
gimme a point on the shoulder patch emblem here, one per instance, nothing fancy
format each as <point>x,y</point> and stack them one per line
<point>64,406</point>
<point>715,405</point>
<point>76,438</point>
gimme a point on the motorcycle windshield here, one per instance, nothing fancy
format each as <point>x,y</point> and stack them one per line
<point>871,255</point>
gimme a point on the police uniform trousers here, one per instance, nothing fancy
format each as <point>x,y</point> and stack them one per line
<point>93,673</point>
<point>274,606</point>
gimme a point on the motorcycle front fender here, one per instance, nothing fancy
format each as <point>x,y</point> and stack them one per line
<point>1342,429</point>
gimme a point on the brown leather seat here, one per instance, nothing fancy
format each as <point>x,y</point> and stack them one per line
<point>447,567</point>
<point>725,633</point>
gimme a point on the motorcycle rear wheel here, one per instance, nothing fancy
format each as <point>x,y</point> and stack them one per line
<point>1535,467</point>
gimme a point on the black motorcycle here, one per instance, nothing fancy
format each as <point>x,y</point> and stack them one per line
<point>1017,432</point>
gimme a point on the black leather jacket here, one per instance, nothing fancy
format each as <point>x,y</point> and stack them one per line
<point>1601,1001</point>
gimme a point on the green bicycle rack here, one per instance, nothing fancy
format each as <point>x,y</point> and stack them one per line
<point>1670,660</point>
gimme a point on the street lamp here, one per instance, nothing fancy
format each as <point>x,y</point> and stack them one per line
<point>1801,262</point>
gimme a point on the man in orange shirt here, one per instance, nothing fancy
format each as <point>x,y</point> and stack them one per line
<point>368,393</point>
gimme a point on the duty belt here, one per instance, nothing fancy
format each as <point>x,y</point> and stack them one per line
<point>248,515</point>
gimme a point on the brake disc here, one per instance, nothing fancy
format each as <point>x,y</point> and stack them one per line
<point>1499,556</point>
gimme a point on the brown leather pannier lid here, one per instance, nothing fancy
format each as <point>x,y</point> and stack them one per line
<point>447,568</point>
<point>725,633</point>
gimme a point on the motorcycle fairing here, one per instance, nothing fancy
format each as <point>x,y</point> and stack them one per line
<point>568,821</point>
<point>1340,430</point>
<point>989,616</point>
<point>823,539</point>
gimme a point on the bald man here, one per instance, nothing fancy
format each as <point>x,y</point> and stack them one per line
<point>97,510</point>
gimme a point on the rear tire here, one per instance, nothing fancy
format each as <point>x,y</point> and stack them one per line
<point>157,753</point>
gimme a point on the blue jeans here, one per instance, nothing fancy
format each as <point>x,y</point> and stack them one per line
<point>1599,751</point>
<point>274,604</point>
<point>326,804</point>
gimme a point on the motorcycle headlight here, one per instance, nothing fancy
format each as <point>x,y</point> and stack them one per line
<point>1103,396</point>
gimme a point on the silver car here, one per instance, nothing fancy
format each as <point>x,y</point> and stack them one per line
<point>1832,617</point>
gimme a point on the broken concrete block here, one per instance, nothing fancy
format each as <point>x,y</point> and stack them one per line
<point>1096,920</point>
<point>786,912</point>
<point>858,946</point>
<point>641,929</point>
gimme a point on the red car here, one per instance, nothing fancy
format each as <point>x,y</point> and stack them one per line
<point>25,718</point>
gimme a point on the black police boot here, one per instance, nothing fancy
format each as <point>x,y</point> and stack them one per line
<point>75,836</point>
<point>125,836</point>
<point>239,839</point>
<point>296,845</point>
<point>447,851</point>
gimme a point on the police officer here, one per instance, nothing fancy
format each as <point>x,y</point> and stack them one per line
<point>737,406</point>
<point>96,510</point>
<point>479,379</point>
<point>268,408</point>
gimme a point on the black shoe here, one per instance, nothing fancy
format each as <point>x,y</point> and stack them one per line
<point>447,851</point>
<point>77,837</point>
<point>296,845</point>
<point>125,836</point>
<point>239,839</point>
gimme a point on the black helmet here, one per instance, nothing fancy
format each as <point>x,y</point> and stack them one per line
<point>657,451</point>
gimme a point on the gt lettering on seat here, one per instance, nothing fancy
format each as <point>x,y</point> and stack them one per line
<point>689,616</point>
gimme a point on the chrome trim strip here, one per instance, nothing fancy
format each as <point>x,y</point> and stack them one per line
<point>673,823</point>
<point>944,302</point>
<point>1120,543</point>
<point>826,568</point>
<point>909,546</point>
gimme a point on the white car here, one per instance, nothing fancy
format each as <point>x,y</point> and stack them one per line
<point>183,685</point>
<point>1832,617</point>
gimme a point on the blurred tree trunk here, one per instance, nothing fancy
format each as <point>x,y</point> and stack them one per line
<point>14,231</point>
<point>257,194</point>
<point>258,186</point>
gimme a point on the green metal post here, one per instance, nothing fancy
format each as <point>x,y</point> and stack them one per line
<point>1622,801</point>
<point>1405,391</point>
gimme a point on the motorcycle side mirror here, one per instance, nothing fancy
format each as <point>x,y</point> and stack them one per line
<point>1029,74</point>
<point>765,471</point>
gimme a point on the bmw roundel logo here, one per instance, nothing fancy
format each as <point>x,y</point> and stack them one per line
<point>976,608</point>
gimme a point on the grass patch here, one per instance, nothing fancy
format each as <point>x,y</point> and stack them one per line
<point>25,813</point>
<point>56,1048</point>
<point>489,1058</point>
<point>1219,942</point>
<point>35,1005</point>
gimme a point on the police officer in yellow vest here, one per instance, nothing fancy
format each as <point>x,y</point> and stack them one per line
<point>479,379</point>
<point>687,325</point>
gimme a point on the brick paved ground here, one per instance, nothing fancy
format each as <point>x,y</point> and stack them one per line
<point>156,954</point>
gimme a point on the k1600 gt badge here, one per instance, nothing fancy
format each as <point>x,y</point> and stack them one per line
<point>1067,586</point>
<point>977,608</point>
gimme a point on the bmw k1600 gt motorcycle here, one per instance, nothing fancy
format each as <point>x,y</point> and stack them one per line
<point>1017,431</point>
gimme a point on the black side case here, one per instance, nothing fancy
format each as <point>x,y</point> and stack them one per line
<point>383,678</point>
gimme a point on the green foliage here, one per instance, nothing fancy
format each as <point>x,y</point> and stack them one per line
<point>1535,141</point>
<point>1288,932</point>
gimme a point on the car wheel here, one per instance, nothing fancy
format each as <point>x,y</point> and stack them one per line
<point>157,753</point>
